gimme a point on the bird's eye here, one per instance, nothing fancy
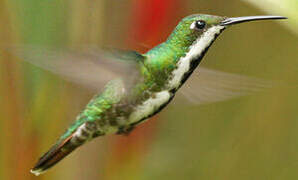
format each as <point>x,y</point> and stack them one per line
<point>198,25</point>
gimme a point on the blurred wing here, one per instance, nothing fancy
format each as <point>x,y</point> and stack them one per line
<point>92,68</point>
<point>208,86</point>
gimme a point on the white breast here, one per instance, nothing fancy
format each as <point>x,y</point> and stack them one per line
<point>149,106</point>
<point>194,52</point>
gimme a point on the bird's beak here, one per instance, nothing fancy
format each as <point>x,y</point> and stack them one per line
<point>236,20</point>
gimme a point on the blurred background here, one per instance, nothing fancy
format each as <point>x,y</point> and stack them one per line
<point>253,137</point>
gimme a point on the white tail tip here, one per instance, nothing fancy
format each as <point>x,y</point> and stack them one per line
<point>37,172</point>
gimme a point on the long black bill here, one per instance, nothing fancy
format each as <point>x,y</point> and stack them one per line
<point>236,20</point>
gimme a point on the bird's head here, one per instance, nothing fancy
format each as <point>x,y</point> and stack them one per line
<point>203,29</point>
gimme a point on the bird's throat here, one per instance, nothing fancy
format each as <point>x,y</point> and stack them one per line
<point>186,64</point>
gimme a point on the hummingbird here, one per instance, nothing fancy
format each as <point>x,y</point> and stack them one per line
<point>138,86</point>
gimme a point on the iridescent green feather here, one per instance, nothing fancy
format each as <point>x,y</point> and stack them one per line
<point>112,94</point>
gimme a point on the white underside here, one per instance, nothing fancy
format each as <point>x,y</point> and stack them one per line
<point>150,106</point>
<point>144,110</point>
<point>107,129</point>
<point>195,51</point>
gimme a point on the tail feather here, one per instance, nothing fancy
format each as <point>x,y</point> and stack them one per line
<point>54,155</point>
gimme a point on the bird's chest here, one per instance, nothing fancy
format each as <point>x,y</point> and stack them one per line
<point>184,67</point>
<point>150,106</point>
<point>158,100</point>
<point>144,110</point>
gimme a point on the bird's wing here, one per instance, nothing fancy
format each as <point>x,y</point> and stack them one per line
<point>89,67</point>
<point>93,68</point>
<point>208,86</point>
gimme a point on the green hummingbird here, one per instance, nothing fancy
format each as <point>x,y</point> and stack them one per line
<point>139,85</point>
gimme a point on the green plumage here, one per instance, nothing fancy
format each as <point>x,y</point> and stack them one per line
<point>98,106</point>
<point>147,85</point>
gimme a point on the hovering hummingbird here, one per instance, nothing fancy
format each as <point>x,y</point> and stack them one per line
<point>140,85</point>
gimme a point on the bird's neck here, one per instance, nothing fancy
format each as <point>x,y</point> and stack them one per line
<point>168,53</point>
<point>173,61</point>
<point>163,59</point>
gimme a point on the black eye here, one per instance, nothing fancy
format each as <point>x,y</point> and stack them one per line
<point>200,24</point>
